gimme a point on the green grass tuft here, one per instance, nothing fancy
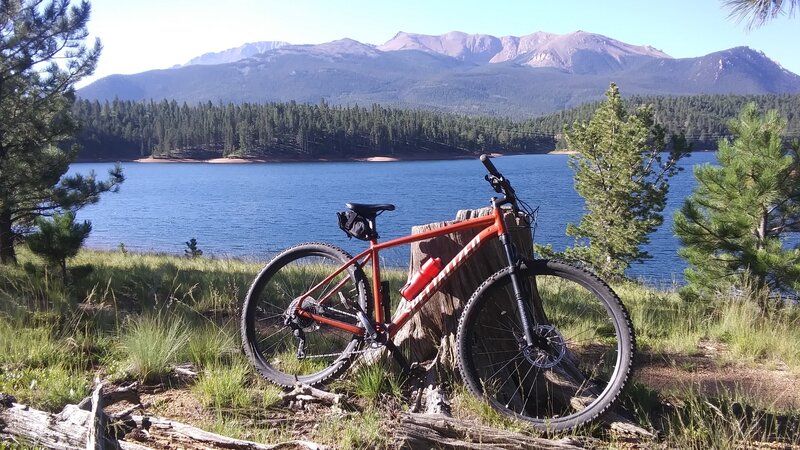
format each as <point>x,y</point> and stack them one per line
<point>270,395</point>
<point>751,336</point>
<point>151,343</point>
<point>353,432</point>
<point>30,347</point>
<point>725,422</point>
<point>47,388</point>
<point>209,344</point>
<point>222,387</point>
<point>373,381</point>
<point>467,406</point>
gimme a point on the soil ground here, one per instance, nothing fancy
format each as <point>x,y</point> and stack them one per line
<point>776,389</point>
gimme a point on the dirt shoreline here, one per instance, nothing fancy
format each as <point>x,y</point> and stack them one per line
<point>290,160</point>
<point>431,157</point>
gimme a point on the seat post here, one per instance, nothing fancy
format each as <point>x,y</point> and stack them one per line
<point>373,224</point>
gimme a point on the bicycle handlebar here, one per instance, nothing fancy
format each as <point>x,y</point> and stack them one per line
<point>499,183</point>
<point>489,166</point>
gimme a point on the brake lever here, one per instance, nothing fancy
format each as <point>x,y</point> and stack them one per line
<point>495,182</point>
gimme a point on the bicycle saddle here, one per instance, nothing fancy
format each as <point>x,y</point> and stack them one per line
<point>368,210</point>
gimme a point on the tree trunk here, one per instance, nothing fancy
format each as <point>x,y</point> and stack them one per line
<point>432,330</point>
<point>7,254</point>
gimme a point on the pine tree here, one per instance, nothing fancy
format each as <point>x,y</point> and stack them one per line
<point>758,12</point>
<point>733,226</point>
<point>42,56</point>
<point>59,239</point>
<point>191,250</point>
<point>620,173</point>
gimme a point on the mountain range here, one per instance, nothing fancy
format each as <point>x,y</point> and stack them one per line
<point>474,74</point>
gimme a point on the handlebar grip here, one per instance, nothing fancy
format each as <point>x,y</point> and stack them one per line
<point>489,166</point>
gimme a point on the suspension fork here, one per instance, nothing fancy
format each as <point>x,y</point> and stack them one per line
<point>523,307</point>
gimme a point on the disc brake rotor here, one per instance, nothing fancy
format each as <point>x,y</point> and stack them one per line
<point>550,351</point>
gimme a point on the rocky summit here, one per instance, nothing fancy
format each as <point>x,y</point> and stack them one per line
<point>534,50</point>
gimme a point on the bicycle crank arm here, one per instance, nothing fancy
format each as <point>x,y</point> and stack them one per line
<point>398,356</point>
<point>369,330</point>
<point>382,338</point>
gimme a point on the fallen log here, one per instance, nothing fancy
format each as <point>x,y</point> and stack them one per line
<point>97,422</point>
<point>171,433</point>
<point>424,431</point>
<point>303,394</point>
<point>63,431</point>
<point>70,430</point>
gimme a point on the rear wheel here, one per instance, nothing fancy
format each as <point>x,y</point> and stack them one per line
<point>287,349</point>
<point>581,357</point>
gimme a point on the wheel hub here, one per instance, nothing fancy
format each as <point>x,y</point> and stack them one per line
<point>549,349</point>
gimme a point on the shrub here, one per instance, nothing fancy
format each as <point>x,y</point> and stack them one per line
<point>59,239</point>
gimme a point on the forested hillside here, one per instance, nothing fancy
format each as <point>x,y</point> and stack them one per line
<point>702,118</point>
<point>123,129</point>
<point>126,130</point>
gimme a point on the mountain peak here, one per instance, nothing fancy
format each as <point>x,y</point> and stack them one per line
<point>736,62</point>
<point>540,49</point>
<point>346,46</point>
<point>475,48</point>
<point>237,53</point>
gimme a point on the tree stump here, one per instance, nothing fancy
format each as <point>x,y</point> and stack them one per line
<point>431,333</point>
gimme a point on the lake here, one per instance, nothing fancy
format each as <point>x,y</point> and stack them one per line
<point>254,210</point>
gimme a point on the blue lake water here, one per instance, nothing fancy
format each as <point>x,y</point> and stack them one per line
<point>254,210</point>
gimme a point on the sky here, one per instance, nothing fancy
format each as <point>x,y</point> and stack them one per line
<point>156,34</point>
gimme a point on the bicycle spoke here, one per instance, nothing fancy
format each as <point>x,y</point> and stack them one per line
<point>519,386</point>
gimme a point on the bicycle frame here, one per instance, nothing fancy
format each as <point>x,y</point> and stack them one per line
<point>491,226</point>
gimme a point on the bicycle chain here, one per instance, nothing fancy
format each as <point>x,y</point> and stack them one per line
<point>340,312</point>
<point>335,354</point>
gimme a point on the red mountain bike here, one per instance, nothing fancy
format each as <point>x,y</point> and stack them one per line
<point>540,340</point>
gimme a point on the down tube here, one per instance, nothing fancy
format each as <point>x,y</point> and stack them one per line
<point>411,307</point>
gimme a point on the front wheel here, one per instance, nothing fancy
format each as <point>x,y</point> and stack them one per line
<point>286,348</point>
<point>580,358</point>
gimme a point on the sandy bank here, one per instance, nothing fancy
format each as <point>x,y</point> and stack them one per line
<point>429,157</point>
<point>563,152</point>
<point>209,161</point>
<point>379,159</point>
